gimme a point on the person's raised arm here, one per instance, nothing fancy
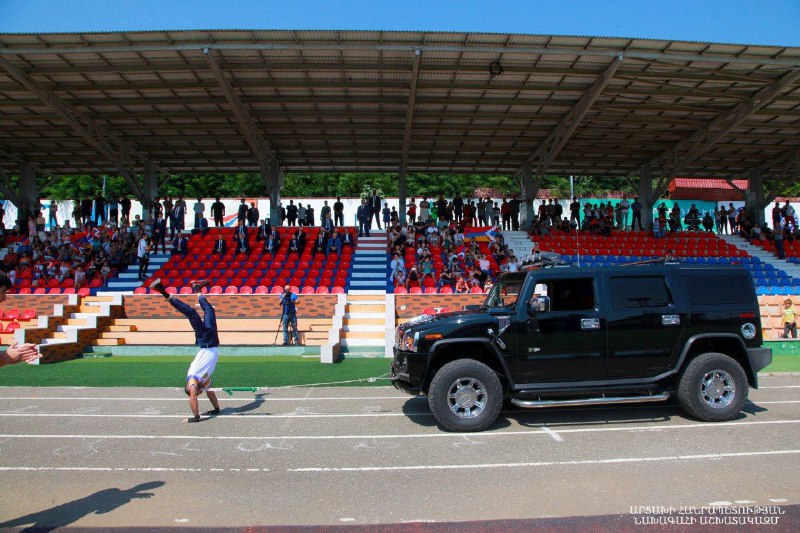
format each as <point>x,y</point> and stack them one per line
<point>17,353</point>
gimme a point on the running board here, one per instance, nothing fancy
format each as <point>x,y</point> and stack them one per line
<point>538,404</point>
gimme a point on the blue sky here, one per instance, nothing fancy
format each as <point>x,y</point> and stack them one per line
<point>735,21</point>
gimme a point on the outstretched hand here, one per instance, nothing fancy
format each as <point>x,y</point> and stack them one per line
<point>17,353</point>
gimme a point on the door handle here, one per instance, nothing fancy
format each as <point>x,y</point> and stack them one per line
<point>670,320</point>
<point>590,323</point>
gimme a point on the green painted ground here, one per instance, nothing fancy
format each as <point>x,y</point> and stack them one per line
<point>170,371</point>
<point>272,371</point>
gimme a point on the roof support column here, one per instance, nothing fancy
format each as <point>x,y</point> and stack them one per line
<point>646,197</point>
<point>412,99</point>
<point>754,197</point>
<point>274,179</point>
<point>28,195</point>
<point>529,190</point>
<point>150,189</point>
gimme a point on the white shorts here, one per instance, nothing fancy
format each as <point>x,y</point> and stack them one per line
<point>203,366</point>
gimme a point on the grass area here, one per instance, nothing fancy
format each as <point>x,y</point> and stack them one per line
<point>784,363</point>
<point>231,372</point>
<point>171,372</point>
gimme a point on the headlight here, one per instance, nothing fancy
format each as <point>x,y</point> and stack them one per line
<point>748,330</point>
<point>409,342</point>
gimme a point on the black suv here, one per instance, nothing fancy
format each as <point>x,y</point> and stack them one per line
<point>583,336</point>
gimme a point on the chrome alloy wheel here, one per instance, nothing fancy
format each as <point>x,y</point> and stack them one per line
<point>718,388</point>
<point>467,397</point>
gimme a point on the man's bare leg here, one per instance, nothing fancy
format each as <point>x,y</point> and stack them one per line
<point>212,396</point>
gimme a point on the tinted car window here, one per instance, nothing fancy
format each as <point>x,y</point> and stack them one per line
<point>570,294</point>
<point>720,289</point>
<point>638,292</point>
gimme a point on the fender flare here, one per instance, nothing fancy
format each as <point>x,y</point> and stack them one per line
<point>436,346</point>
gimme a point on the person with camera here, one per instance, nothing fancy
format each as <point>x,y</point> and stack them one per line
<point>289,315</point>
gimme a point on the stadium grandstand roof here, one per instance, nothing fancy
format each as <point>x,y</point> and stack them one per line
<point>320,101</point>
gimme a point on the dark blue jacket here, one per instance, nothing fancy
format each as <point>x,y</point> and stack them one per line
<point>288,303</point>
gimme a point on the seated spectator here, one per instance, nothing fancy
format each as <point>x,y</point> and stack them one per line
<point>327,224</point>
<point>347,239</point>
<point>708,222</point>
<point>264,229</point>
<point>242,245</point>
<point>413,275</point>
<point>105,272</point>
<point>302,238</point>
<point>80,278</point>
<point>487,286</point>
<point>397,262</point>
<point>427,270</point>
<point>461,285</point>
<point>220,246</point>
<point>271,245</point>
<point>321,242</point>
<point>180,244</point>
<point>755,233</point>
<point>334,241</point>
<point>446,278</point>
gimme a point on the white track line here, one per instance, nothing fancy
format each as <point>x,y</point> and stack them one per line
<point>699,425</point>
<point>782,387</point>
<point>616,460</point>
<point>585,462</point>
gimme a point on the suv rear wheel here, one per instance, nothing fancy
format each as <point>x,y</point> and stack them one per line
<point>465,395</point>
<point>713,387</point>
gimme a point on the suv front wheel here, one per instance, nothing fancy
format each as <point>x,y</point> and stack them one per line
<point>713,387</point>
<point>465,395</point>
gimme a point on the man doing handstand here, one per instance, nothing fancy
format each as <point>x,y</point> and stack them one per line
<point>198,378</point>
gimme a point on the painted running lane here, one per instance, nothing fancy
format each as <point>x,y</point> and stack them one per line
<point>371,456</point>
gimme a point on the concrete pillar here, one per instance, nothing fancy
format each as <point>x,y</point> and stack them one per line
<point>528,194</point>
<point>275,179</point>
<point>754,197</point>
<point>646,196</point>
<point>402,193</point>
<point>28,195</point>
<point>150,189</point>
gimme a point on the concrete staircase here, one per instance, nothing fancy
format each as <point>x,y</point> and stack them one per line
<point>369,263</point>
<point>127,281</point>
<point>520,242</point>
<point>364,323</point>
<point>791,269</point>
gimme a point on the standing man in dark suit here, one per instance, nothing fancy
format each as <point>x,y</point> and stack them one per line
<point>160,232</point>
<point>364,215</point>
<point>338,212</point>
<point>179,215</point>
<point>218,212</point>
<point>242,215</point>
<point>375,208</point>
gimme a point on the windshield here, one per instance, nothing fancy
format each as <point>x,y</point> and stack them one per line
<point>505,292</point>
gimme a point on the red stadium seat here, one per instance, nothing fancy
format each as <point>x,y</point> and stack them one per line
<point>307,290</point>
<point>216,289</point>
<point>294,289</point>
<point>447,289</point>
<point>24,290</point>
<point>186,290</point>
<point>322,290</point>
<point>55,290</point>
<point>40,290</point>
<point>70,290</point>
<point>28,314</point>
<point>429,311</point>
<point>137,290</point>
<point>400,290</point>
<point>277,289</point>
<point>415,290</point>
<point>231,289</point>
<point>246,290</point>
<point>337,290</point>
<point>171,290</point>
<point>261,289</point>
<point>12,326</point>
<point>476,290</point>
<point>430,290</point>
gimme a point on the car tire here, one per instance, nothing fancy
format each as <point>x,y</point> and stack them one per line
<point>465,395</point>
<point>713,387</point>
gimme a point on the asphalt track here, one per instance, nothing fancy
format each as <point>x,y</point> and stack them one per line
<point>369,457</point>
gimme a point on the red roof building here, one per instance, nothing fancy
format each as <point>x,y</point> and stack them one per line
<point>712,190</point>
